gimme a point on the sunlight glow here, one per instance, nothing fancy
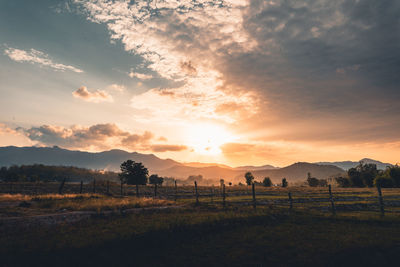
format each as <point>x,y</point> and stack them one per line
<point>207,138</point>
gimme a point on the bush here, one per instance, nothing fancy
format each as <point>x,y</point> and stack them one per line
<point>384,181</point>
<point>312,181</point>
<point>363,175</point>
<point>394,173</point>
<point>343,181</point>
<point>267,182</point>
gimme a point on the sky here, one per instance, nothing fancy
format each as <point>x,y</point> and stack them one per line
<point>235,82</point>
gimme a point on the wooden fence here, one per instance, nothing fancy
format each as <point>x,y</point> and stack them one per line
<point>326,199</point>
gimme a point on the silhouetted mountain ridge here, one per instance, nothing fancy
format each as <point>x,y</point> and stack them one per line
<point>345,165</point>
<point>109,160</point>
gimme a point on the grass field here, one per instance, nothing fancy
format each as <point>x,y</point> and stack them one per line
<point>208,233</point>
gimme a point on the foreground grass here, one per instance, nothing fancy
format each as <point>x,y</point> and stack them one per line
<point>208,235</point>
<point>24,205</point>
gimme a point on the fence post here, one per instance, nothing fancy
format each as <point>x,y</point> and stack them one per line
<point>61,187</point>
<point>197,193</point>
<point>254,195</point>
<point>36,187</point>
<point>94,186</point>
<point>223,195</point>
<point>108,187</point>
<point>176,191</point>
<point>290,201</point>
<point>381,206</point>
<point>332,201</point>
<point>155,190</point>
<point>81,188</point>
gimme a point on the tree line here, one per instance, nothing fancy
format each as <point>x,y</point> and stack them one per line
<point>44,173</point>
<point>367,175</point>
<point>249,178</point>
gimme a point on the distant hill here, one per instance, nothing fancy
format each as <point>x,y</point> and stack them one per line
<point>256,168</point>
<point>240,168</point>
<point>109,160</point>
<point>346,165</point>
<point>298,172</point>
<point>211,172</point>
<point>201,164</point>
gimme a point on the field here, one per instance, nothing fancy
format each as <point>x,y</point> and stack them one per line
<point>172,229</point>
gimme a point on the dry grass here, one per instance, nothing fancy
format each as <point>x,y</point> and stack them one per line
<point>22,197</point>
<point>80,202</point>
<point>100,203</point>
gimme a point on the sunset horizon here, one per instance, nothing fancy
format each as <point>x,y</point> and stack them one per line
<point>201,81</point>
<point>199,133</point>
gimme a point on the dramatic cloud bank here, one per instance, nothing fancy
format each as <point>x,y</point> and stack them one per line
<point>96,137</point>
<point>37,57</point>
<point>283,80</point>
<point>178,40</point>
<point>275,68</point>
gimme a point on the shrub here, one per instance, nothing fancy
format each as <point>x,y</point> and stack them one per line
<point>284,182</point>
<point>343,181</point>
<point>267,182</point>
<point>384,181</point>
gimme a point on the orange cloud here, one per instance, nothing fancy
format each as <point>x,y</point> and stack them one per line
<point>95,97</point>
<point>95,138</point>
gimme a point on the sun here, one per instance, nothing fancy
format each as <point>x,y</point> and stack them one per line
<point>207,138</point>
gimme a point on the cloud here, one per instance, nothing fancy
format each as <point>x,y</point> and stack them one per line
<point>96,96</point>
<point>117,87</point>
<point>163,139</point>
<point>140,76</point>
<point>188,68</point>
<point>274,71</point>
<point>132,140</point>
<point>194,100</point>
<point>95,138</point>
<point>178,40</point>
<point>37,57</point>
<point>4,129</point>
<point>166,148</point>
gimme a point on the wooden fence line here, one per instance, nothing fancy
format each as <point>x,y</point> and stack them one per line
<point>108,188</point>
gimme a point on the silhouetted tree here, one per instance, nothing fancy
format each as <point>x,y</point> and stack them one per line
<point>134,173</point>
<point>249,178</point>
<point>267,182</point>
<point>383,180</point>
<point>284,182</point>
<point>394,173</point>
<point>155,179</point>
<point>312,181</point>
<point>343,181</point>
<point>362,175</point>
<point>44,173</point>
<point>355,177</point>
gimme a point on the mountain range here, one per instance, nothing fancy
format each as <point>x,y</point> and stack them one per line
<point>111,160</point>
<point>345,165</point>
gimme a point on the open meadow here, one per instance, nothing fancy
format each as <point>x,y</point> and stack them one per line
<point>178,227</point>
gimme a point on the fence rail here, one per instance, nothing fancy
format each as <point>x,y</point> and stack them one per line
<point>327,199</point>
